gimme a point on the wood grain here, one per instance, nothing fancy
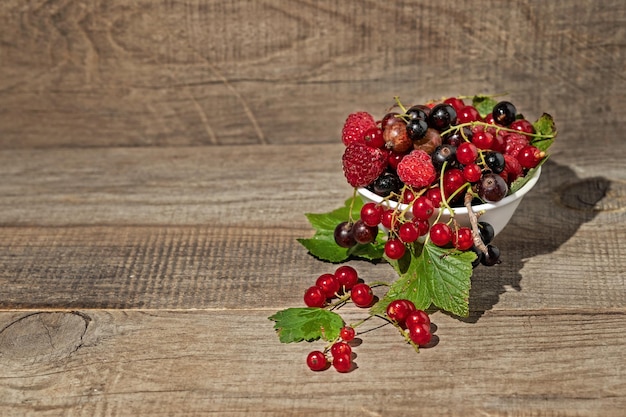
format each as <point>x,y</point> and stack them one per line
<point>218,362</point>
<point>131,73</point>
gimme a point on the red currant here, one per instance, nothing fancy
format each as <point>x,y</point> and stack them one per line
<point>388,219</point>
<point>422,226</point>
<point>423,208</point>
<point>483,140</point>
<point>434,195</point>
<point>340,348</point>
<point>408,232</point>
<point>347,333</point>
<point>523,126</point>
<point>394,248</point>
<point>362,295</point>
<point>329,285</point>
<point>407,196</point>
<point>314,297</point>
<point>467,114</point>
<point>529,156</point>
<point>342,363</point>
<point>466,153</point>
<point>462,239</point>
<point>453,179</point>
<point>415,318</point>
<point>394,159</point>
<point>472,172</point>
<point>420,334</point>
<point>455,102</point>
<point>316,361</point>
<point>371,214</point>
<point>347,276</point>
<point>440,234</point>
<point>373,138</point>
<point>398,310</point>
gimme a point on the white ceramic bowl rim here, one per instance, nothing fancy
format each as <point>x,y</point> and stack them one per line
<point>462,210</point>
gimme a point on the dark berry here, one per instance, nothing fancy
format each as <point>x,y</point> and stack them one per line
<point>492,257</point>
<point>504,113</point>
<point>486,231</point>
<point>495,161</point>
<point>416,129</point>
<point>492,188</point>
<point>386,183</point>
<point>442,154</point>
<point>418,112</point>
<point>442,116</point>
<point>343,235</point>
<point>456,137</point>
<point>363,233</point>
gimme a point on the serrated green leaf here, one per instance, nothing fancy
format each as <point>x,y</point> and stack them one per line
<point>434,276</point>
<point>306,323</point>
<point>322,245</point>
<point>545,127</point>
<point>484,104</point>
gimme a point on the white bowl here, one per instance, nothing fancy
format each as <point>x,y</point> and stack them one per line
<point>497,214</point>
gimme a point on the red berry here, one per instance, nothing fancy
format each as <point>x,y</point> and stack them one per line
<point>399,310</point>
<point>434,195</point>
<point>530,156</point>
<point>408,232</point>
<point>394,159</point>
<point>423,208</point>
<point>362,295</point>
<point>342,363</point>
<point>440,234</point>
<point>422,226</point>
<point>371,214</point>
<point>316,361</point>
<point>416,169</point>
<point>340,348</point>
<point>314,297</point>
<point>347,276</point>
<point>362,164</point>
<point>407,196</point>
<point>355,127</point>
<point>466,153</point>
<point>483,140</point>
<point>522,125</point>
<point>420,334</point>
<point>347,333</point>
<point>329,285</point>
<point>388,219</point>
<point>453,179</point>
<point>373,138</point>
<point>467,114</point>
<point>462,239</point>
<point>472,172</point>
<point>416,318</point>
<point>455,102</point>
<point>394,248</point>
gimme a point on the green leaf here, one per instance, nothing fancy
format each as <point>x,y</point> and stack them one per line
<point>307,323</point>
<point>434,276</point>
<point>484,104</point>
<point>322,244</point>
<point>545,127</point>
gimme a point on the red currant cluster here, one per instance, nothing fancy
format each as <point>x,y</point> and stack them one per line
<point>416,322</point>
<point>344,284</point>
<point>340,354</point>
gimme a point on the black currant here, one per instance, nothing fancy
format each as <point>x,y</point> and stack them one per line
<point>492,188</point>
<point>416,129</point>
<point>504,113</point>
<point>486,232</point>
<point>479,256</point>
<point>386,183</point>
<point>343,235</point>
<point>495,161</point>
<point>458,136</point>
<point>363,233</point>
<point>442,116</point>
<point>492,257</point>
<point>418,112</point>
<point>443,153</point>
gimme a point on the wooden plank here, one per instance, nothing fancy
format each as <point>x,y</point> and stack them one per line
<point>114,363</point>
<point>136,73</point>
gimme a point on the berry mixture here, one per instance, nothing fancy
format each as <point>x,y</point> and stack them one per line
<point>419,160</point>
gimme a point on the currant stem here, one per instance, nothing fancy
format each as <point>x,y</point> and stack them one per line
<point>478,242</point>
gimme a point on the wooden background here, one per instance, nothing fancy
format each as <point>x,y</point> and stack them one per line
<point>156,159</point>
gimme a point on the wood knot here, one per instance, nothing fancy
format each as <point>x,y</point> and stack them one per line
<point>42,335</point>
<point>595,194</point>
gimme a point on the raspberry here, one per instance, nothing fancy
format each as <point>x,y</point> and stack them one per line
<point>355,127</point>
<point>416,169</point>
<point>512,169</point>
<point>363,164</point>
<point>514,143</point>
